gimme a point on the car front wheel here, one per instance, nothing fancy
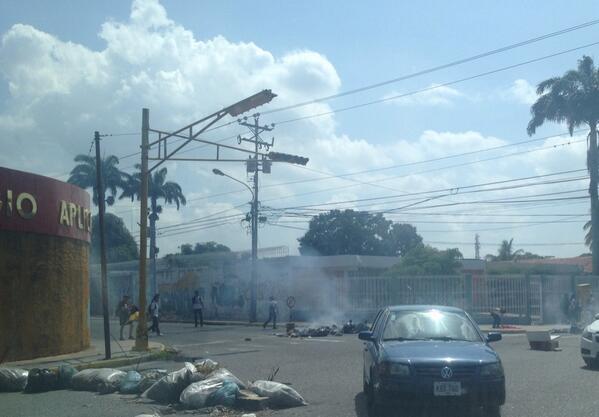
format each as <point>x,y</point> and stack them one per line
<point>591,363</point>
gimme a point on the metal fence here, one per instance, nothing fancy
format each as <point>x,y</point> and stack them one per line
<point>525,298</point>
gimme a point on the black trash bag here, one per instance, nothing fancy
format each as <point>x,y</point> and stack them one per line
<point>13,379</point>
<point>41,380</point>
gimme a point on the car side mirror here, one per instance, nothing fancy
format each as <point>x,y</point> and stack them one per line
<point>366,336</point>
<point>493,337</point>
<point>596,316</point>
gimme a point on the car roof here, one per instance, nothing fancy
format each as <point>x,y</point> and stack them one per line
<point>424,307</point>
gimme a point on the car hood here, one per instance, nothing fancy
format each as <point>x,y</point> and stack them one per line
<point>430,351</point>
<point>593,327</point>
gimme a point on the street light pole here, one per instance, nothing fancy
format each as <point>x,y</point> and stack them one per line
<point>190,133</point>
<point>254,227</point>
<point>101,209</point>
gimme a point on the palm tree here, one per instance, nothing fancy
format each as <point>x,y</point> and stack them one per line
<point>506,252</point>
<point>158,189</point>
<point>84,175</point>
<point>574,99</point>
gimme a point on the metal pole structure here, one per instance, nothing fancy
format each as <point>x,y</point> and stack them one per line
<point>141,341</point>
<point>254,277</point>
<point>101,208</point>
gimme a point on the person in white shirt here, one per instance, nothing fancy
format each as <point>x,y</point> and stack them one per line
<point>273,310</point>
<point>197,304</point>
<point>154,310</point>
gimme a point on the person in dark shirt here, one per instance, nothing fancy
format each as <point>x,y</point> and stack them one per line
<point>123,311</point>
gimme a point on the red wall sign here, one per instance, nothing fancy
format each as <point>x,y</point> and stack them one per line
<point>36,204</point>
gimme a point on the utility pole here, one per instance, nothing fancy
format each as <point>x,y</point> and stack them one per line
<point>141,341</point>
<point>191,133</point>
<point>255,165</point>
<point>101,208</point>
<point>476,247</point>
<point>593,162</point>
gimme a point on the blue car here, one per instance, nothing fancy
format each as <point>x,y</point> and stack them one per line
<point>433,355</point>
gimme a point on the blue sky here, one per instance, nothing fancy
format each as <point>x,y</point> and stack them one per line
<point>302,50</point>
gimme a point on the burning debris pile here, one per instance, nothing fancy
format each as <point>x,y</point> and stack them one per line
<point>323,331</point>
<point>200,385</point>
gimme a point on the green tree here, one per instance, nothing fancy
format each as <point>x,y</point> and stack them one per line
<point>186,249</point>
<point>120,245</point>
<point>426,260</point>
<point>506,252</point>
<point>210,247</point>
<point>574,99</point>
<point>158,189</point>
<point>352,232</point>
<point>84,175</point>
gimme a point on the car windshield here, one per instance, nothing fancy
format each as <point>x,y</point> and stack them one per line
<point>429,325</point>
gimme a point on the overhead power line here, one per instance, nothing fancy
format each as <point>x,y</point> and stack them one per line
<point>458,190</point>
<point>519,244</point>
<point>436,86</point>
<point>427,171</point>
<point>437,68</point>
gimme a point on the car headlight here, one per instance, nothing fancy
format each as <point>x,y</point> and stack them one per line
<point>587,335</point>
<point>492,369</point>
<point>395,369</point>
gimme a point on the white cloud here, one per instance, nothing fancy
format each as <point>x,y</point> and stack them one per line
<point>521,91</point>
<point>435,96</point>
<point>60,92</point>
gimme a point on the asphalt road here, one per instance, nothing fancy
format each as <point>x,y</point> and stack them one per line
<point>327,372</point>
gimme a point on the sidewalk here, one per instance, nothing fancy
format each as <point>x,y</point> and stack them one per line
<point>517,329</point>
<point>93,357</point>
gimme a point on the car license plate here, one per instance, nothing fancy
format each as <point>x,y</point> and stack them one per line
<point>442,389</point>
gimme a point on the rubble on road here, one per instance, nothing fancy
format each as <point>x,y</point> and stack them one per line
<point>202,387</point>
<point>149,377</point>
<point>324,330</point>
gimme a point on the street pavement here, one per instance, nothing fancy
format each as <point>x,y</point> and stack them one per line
<point>327,372</point>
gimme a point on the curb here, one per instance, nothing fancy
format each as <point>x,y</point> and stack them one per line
<point>157,353</point>
<point>120,362</point>
<point>215,323</point>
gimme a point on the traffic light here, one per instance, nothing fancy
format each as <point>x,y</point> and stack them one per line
<point>285,157</point>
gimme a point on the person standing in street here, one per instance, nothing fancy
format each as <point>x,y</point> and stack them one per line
<point>154,311</point>
<point>273,310</point>
<point>123,311</point>
<point>197,304</point>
